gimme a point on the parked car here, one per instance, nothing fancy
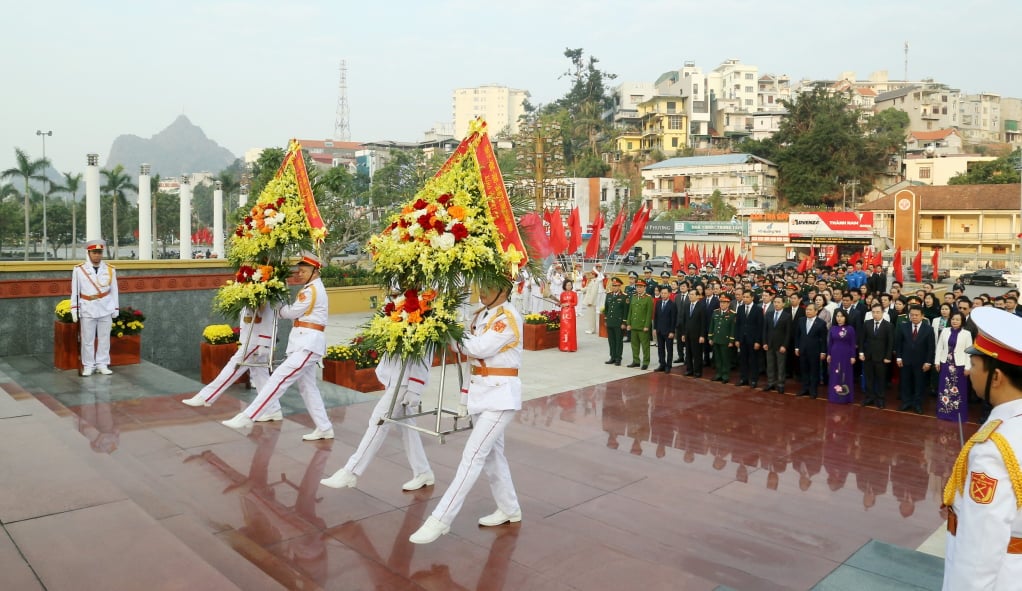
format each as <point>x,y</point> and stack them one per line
<point>663,262</point>
<point>942,274</point>
<point>756,266</point>
<point>995,277</point>
<point>782,266</point>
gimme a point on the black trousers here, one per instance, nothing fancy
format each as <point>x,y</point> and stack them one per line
<point>876,380</point>
<point>665,349</point>
<point>694,356</point>
<point>748,362</point>
<point>809,365</point>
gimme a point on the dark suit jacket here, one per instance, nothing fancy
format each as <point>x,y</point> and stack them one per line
<point>854,318</point>
<point>914,353</point>
<point>877,283</point>
<point>749,329</point>
<point>665,316</point>
<point>779,335</point>
<point>797,314</point>
<point>876,345</point>
<point>693,324</point>
<point>812,342</point>
<point>712,303</point>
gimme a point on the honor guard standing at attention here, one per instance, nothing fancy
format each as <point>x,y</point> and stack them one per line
<point>651,285</point>
<point>722,338</point>
<point>615,314</point>
<point>640,322</point>
<point>983,495</point>
<point>94,302</point>
<point>306,344</point>
<point>493,344</point>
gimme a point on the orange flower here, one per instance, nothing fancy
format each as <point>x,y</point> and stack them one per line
<point>457,212</point>
<point>428,296</point>
<point>414,317</point>
<point>407,209</point>
<point>264,230</point>
<point>431,208</point>
<point>395,316</point>
<point>267,272</point>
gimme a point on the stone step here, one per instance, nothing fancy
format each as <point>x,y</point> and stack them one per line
<point>879,566</point>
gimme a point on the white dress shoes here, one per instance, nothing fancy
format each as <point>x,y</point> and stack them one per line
<point>430,531</point>
<point>104,370</point>
<point>498,517</point>
<point>270,416</point>
<point>317,434</point>
<point>341,479</point>
<point>421,480</point>
<point>195,401</point>
<point>86,372</point>
<point>238,422</point>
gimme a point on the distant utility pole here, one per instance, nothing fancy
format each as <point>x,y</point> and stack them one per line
<point>906,61</point>
<point>342,124</point>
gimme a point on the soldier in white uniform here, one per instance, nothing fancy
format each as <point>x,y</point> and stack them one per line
<point>253,355</point>
<point>306,345</point>
<point>983,495</point>
<point>494,349</point>
<point>415,378</point>
<point>94,301</point>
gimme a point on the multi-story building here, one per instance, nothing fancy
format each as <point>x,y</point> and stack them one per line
<point>499,105</point>
<point>1011,117</point>
<point>734,80</point>
<point>929,106</point>
<point>938,170</point>
<point>624,113</point>
<point>690,83</point>
<point>941,142</point>
<point>771,91</point>
<point>330,153</point>
<point>745,181</point>
<point>664,124</point>
<point>981,118</point>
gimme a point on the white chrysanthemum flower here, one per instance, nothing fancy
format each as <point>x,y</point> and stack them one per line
<point>443,241</point>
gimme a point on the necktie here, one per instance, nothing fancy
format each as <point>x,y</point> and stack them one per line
<point>915,331</point>
<point>776,316</point>
<point>876,327</point>
<point>691,309</point>
<point>748,310</point>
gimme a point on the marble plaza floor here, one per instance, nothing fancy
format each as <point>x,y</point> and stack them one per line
<point>627,479</point>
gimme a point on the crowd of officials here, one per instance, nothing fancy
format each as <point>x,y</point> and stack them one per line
<point>851,330</point>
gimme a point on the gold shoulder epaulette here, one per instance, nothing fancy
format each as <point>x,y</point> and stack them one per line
<point>983,435</point>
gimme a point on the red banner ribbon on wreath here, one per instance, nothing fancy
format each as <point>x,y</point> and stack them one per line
<point>294,159</point>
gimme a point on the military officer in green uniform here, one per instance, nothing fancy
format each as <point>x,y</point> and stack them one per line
<point>630,291</point>
<point>651,285</point>
<point>615,314</point>
<point>640,323</point>
<point>665,281</point>
<point>722,338</point>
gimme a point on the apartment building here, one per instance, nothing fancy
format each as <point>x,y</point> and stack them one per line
<point>745,181</point>
<point>499,105</point>
<point>981,118</point>
<point>929,106</point>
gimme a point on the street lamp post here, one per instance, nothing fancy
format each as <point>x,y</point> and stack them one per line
<point>46,186</point>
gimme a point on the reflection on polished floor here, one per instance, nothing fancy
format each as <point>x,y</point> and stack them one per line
<point>649,482</point>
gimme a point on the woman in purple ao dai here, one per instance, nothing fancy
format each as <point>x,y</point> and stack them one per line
<point>954,364</point>
<point>840,358</point>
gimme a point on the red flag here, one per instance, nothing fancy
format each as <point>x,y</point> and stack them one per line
<point>743,265</point>
<point>878,259</point>
<point>558,241</point>
<point>615,230</point>
<point>802,265</point>
<point>811,259</point>
<point>703,260</point>
<point>593,247</point>
<point>675,262</point>
<point>635,232</point>
<point>537,242</point>
<point>934,259</point>
<point>899,271</point>
<point>831,258</point>
<point>575,225</point>
<point>854,258</point>
<point>917,266</point>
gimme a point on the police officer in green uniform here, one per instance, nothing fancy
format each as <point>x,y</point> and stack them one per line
<point>640,323</point>
<point>722,338</point>
<point>630,291</point>
<point>651,285</point>
<point>665,281</point>
<point>615,314</point>
<point>693,276</point>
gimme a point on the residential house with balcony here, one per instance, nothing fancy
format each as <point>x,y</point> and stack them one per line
<point>663,124</point>
<point>969,220</point>
<point>938,170</point>
<point>690,83</point>
<point>746,182</point>
<point>771,91</point>
<point>627,96</point>
<point>940,142</point>
<point>930,106</point>
<point>981,118</point>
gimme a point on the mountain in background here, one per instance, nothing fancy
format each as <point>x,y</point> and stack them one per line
<point>182,147</point>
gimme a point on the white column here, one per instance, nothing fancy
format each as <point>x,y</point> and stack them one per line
<point>186,218</point>
<point>218,220</point>
<point>145,215</point>
<point>242,197</point>
<point>93,230</point>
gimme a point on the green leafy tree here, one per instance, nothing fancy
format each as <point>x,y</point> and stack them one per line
<point>10,214</point>
<point>71,185</point>
<point>1004,170</point>
<point>720,210</point>
<point>401,177</point>
<point>344,207</point>
<point>263,170</point>
<point>27,170</point>
<point>117,185</point>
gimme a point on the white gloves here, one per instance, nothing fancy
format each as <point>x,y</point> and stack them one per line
<point>408,398</point>
<point>114,315</point>
<point>74,315</point>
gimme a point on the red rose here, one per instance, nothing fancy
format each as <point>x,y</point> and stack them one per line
<point>402,222</point>
<point>424,221</point>
<point>460,232</point>
<point>444,199</point>
<point>420,204</point>
<point>439,226</point>
<point>280,201</point>
<point>389,308</point>
<point>411,300</point>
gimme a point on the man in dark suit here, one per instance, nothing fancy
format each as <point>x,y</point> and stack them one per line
<point>712,303</point>
<point>877,282</point>
<point>748,338</point>
<point>876,343</point>
<point>914,348</point>
<point>811,349</point>
<point>796,304</point>
<point>776,337</point>
<point>692,327</point>
<point>665,322</point>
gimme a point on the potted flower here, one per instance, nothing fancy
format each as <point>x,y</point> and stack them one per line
<point>125,337</point>
<point>219,343</point>
<point>352,366</point>
<point>66,353</point>
<point>541,330</point>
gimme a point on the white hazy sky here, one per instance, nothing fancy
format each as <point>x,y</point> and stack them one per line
<point>253,73</point>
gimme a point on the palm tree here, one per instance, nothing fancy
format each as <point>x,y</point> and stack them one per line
<point>6,190</point>
<point>117,182</point>
<point>72,182</point>
<point>28,170</point>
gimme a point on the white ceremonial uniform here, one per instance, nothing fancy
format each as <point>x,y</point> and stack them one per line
<point>94,298</point>
<point>985,550</point>
<point>416,376</point>
<point>495,343</point>
<point>306,345</point>
<point>255,342</point>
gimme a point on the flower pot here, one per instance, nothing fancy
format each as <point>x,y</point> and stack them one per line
<point>603,326</point>
<point>213,358</point>
<point>126,350</point>
<point>343,373</point>
<point>536,337</point>
<point>66,352</point>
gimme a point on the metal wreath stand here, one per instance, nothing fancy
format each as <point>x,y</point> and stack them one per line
<point>268,364</point>
<point>438,412</point>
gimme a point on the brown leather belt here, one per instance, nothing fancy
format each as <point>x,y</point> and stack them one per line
<point>92,298</point>
<point>1014,543</point>
<point>494,371</point>
<point>312,325</point>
